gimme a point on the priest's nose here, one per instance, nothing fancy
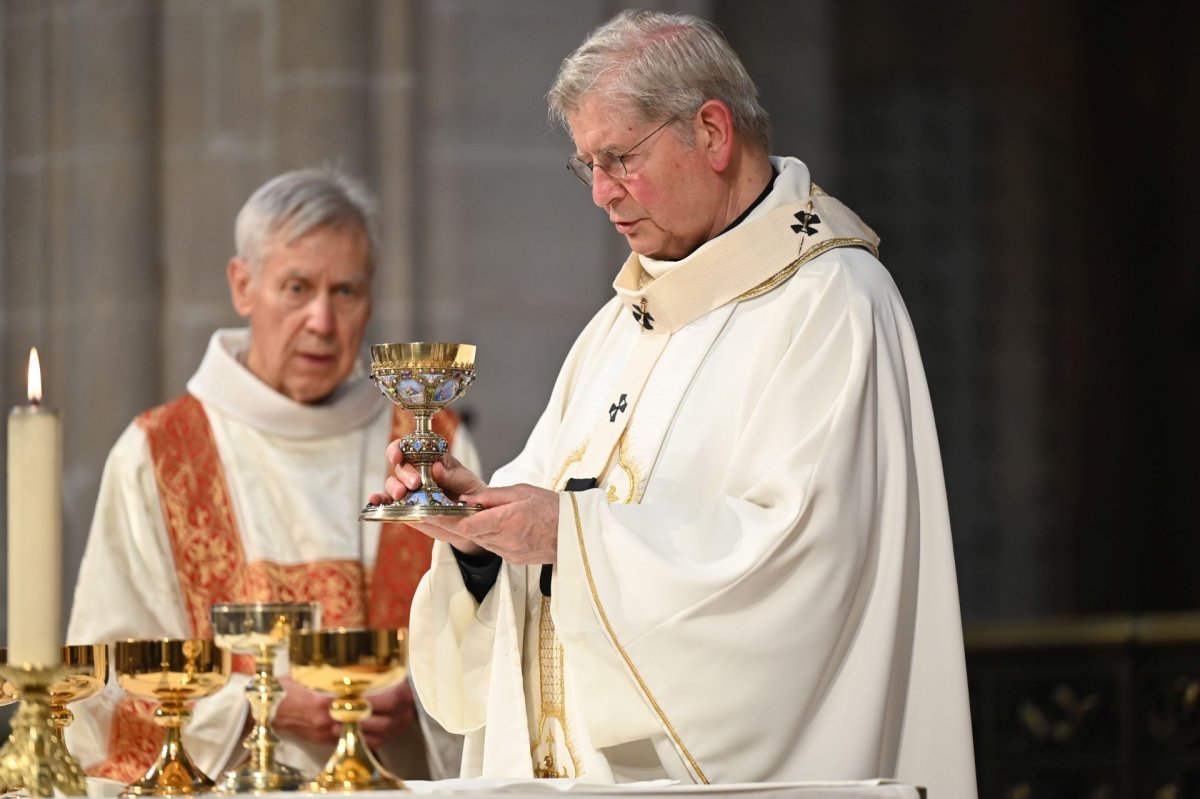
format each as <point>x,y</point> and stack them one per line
<point>321,318</point>
<point>605,188</point>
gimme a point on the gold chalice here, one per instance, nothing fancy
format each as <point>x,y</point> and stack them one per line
<point>172,672</point>
<point>424,378</point>
<point>348,665</point>
<point>261,629</point>
<point>87,675</point>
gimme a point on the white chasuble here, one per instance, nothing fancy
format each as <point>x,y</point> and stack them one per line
<point>292,478</point>
<point>761,586</point>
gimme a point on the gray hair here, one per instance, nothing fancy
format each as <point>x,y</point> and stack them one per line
<point>296,203</point>
<point>664,64</point>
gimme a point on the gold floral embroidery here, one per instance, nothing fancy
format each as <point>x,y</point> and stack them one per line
<point>575,457</point>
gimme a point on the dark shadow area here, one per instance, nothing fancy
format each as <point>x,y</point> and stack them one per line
<point>1030,169</point>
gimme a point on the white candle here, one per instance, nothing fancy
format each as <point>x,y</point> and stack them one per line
<point>34,529</point>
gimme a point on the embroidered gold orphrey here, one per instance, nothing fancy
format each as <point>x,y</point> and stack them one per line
<point>551,678</point>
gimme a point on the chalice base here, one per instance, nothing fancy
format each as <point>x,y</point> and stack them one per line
<point>246,778</point>
<point>174,774</point>
<point>419,504</point>
<point>354,767</point>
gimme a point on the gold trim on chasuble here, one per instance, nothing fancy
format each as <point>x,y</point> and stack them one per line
<point>612,636</point>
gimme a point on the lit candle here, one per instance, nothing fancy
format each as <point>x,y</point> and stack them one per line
<point>34,529</point>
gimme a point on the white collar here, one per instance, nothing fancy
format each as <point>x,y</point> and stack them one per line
<point>791,185</point>
<point>225,384</point>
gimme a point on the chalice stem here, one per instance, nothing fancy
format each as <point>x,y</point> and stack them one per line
<point>354,766</point>
<point>426,470</point>
<point>263,692</point>
<point>175,758</point>
<point>173,772</point>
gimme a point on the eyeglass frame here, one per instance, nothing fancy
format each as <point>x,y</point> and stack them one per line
<point>584,170</point>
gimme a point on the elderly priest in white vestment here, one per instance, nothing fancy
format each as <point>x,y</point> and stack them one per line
<point>724,553</point>
<point>248,488</point>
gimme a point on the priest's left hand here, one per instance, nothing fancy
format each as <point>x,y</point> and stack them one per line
<point>518,522</point>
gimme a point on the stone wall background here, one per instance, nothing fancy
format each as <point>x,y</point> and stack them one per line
<point>1030,167</point>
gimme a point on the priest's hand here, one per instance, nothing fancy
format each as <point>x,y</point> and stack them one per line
<point>392,711</point>
<point>519,523</point>
<point>305,714</point>
<point>453,478</point>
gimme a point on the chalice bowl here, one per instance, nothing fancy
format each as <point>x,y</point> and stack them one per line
<point>349,665</point>
<point>172,672</point>
<point>424,378</point>
<point>86,675</point>
<point>261,629</point>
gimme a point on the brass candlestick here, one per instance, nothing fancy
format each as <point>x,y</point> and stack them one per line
<point>262,629</point>
<point>424,378</point>
<point>34,756</point>
<point>171,672</point>
<point>348,665</point>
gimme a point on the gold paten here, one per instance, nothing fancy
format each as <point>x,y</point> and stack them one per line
<point>171,672</point>
<point>261,629</point>
<point>348,665</point>
<point>423,377</point>
<point>34,757</point>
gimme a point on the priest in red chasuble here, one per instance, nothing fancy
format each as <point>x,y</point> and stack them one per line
<point>248,488</point>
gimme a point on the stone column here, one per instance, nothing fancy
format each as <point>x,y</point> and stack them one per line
<point>79,271</point>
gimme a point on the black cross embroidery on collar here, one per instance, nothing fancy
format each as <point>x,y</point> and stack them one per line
<point>808,222</point>
<point>617,407</point>
<point>643,316</point>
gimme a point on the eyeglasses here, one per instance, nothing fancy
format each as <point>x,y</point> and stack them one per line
<point>611,164</point>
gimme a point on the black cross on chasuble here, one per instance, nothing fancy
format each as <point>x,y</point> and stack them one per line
<point>617,407</point>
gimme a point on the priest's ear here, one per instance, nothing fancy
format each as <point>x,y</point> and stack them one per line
<point>714,123</point>
<point>241,284</point>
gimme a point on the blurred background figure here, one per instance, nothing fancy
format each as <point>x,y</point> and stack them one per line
<point>247,489</point>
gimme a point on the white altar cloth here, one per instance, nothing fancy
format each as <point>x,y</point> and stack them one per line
<point>658,789</point>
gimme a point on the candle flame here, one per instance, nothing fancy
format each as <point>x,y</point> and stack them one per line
<point>34,383</point>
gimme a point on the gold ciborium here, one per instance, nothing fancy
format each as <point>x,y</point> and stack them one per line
<point>172,672</point>
<point>424,378</point>
<point>262,629</point>
<point>348,665</point>
<point>34,757</point>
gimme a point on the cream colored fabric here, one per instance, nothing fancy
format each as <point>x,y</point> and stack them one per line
<point>298,476</point>
<point>763,587</point>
